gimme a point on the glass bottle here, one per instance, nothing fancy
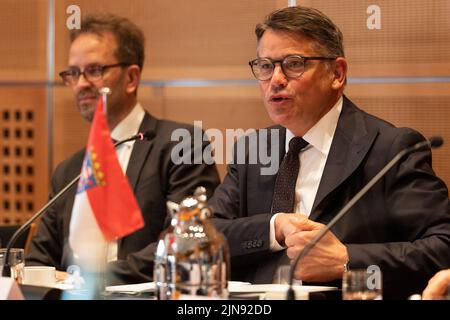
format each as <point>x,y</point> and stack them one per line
<point>192,257</point>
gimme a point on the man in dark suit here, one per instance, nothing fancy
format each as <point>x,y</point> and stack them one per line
<point>402,225</point>
<point>108,51</point>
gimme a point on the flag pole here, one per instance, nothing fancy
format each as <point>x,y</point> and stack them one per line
<point>105,91</point>
<point>101,282</point>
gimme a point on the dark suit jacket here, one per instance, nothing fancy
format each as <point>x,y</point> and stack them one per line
<point>154,179</point>
<point>402,224</point>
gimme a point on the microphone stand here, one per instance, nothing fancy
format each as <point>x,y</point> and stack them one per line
<point>434,142</point>
<point>6,272</point>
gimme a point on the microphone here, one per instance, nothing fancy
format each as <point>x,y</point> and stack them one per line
<point>433,142</point>
<point>147,135</point>
<point>6,272</point>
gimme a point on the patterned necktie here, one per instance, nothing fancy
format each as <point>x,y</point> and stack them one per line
<point>284,192</point>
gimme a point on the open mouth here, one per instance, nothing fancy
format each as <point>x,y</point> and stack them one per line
<point>278,99</point>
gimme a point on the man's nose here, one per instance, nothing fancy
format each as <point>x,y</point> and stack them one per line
<point>278,77</point>
<point>82,82</point>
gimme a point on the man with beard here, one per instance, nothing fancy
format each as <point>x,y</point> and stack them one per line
<point>108,51</point>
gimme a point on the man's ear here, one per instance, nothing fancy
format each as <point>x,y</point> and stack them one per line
<point>339,73</point>
<point>133,78</point>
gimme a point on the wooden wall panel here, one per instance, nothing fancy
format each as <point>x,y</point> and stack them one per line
<point>23,153</point>
<point>414,39</point>
<point>185,39</point>
<point>23,26</point>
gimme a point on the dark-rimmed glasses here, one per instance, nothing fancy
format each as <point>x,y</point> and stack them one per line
<point>293,66</point>
<point>92,72</point>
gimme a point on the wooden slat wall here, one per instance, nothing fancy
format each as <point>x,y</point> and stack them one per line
<point>185,39</point>
<point>414,41</point>
<point>23,114</point>
<point>23,153</point>
<point>23,25</point>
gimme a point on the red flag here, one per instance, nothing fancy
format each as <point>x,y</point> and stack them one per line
<point>104,186</point>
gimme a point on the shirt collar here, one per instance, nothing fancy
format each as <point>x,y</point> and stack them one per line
<point>130,125</point>
<point>321,134</point>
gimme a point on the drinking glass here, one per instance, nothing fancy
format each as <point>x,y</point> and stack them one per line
<point>281,275</point>
<point>16,262</point>
<point>362,284</point>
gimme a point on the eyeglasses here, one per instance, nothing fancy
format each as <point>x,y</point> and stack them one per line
<point>92,72</point>
<point>293,66</point>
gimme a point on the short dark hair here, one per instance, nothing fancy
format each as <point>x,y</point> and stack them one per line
<point>308,22</point>
<point>130,39</point>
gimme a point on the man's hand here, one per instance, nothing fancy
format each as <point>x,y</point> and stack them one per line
<point>288,223</point>
<point>437,286</point>
<point>325,262</point>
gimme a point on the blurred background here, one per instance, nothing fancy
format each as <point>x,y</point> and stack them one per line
<point>196,69</point>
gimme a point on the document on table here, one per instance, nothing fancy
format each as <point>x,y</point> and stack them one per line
<point>234,287</point>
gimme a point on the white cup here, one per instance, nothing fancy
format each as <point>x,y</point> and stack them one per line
<point>40,276</point>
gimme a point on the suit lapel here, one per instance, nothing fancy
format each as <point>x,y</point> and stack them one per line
<point>140,151</point>
<point>351,142</point>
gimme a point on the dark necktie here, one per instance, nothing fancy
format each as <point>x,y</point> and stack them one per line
<point>284,192</point>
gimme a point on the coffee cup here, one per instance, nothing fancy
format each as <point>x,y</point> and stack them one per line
<point>39,276</point>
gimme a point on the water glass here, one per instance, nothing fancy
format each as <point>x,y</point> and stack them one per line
<point>281,275</point>
<point>16,262</point>
<point>362,284</point>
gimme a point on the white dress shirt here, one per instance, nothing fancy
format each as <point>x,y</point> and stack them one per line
<point>125,129</point>
<point>312,164</point>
